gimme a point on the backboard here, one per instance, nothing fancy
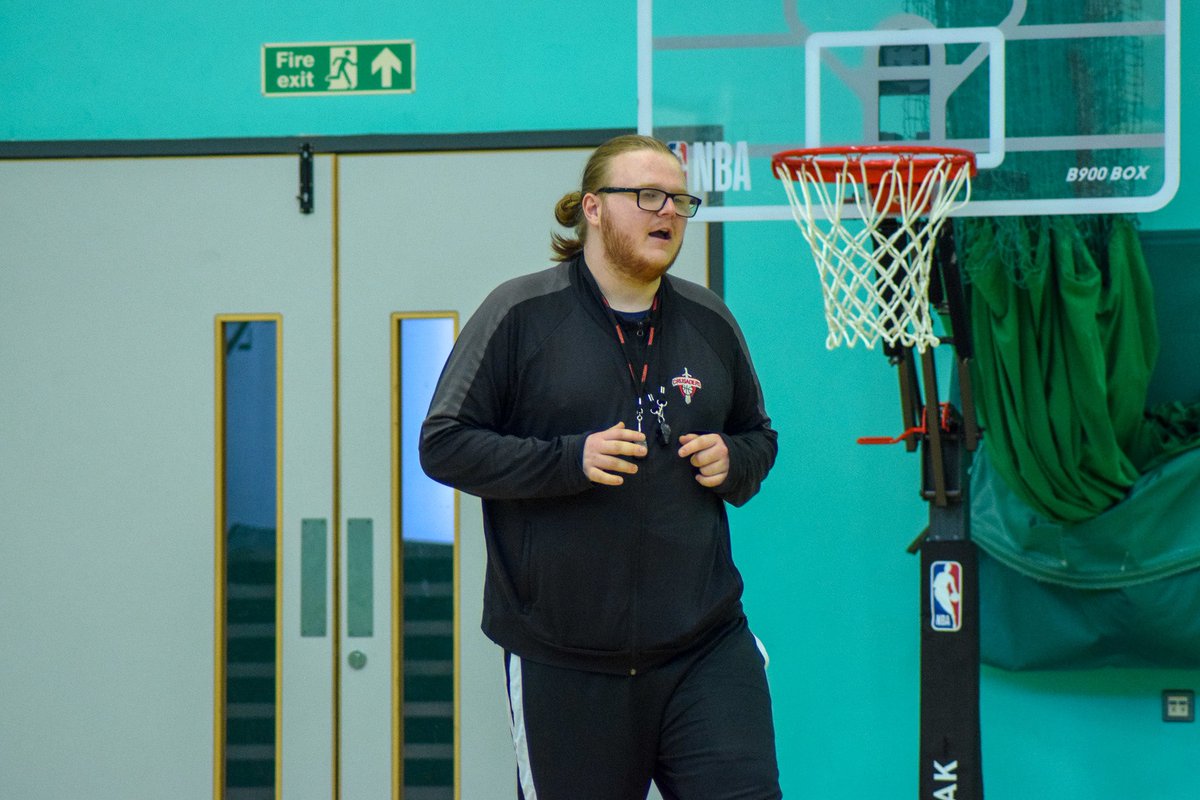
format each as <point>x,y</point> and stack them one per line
<point>1071,106</point>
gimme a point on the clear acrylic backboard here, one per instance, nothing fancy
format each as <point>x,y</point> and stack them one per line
<point>1069,109</point>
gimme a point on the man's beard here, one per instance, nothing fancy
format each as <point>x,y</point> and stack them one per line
<point>623,255</point>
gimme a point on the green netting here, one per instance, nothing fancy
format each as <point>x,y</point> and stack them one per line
<point>1063,362</point>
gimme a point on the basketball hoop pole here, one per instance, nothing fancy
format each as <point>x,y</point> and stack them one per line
<point>950,745</point>
<point>881,271</point>
<point>957,428</point>
<point>946,436</point>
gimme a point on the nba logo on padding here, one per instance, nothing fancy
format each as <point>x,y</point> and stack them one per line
<point>945,595</point>
<point>680,149</point>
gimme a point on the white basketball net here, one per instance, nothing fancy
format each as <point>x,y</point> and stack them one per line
<point>875,283</point>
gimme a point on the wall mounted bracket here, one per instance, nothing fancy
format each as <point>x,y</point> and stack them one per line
<point>306,179</point>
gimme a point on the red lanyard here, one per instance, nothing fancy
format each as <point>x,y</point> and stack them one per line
<point>639,381</point>
<point>630,350</point>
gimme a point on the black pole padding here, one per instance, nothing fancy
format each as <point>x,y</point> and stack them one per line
<point>951,753</point>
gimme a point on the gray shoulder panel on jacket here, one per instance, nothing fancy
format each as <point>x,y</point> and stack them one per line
<point>472,343</point>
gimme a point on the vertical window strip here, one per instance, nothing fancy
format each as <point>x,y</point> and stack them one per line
<point>248,521</point>
<point>278,320</point>
<point>425,645</point>
<point>219,559</point>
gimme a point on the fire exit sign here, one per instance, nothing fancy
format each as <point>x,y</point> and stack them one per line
<point>333,68</point>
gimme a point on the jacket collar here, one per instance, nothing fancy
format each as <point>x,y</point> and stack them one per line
<point>592,299</point>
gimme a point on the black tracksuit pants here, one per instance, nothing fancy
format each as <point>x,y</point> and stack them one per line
<point>700,726</point>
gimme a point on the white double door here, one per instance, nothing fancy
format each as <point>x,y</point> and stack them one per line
<point>111,275</point>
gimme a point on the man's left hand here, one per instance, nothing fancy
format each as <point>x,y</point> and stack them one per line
<point>707,453</point>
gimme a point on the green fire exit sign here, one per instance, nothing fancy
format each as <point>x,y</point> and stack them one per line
<point>332,68</point>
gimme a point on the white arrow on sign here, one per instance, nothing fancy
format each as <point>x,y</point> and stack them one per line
<point>386,61</point>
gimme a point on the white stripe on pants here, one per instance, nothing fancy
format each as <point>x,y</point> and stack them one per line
<point>516,705</point>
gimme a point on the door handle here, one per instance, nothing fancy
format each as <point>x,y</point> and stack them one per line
<point>314,574</point>
<point>360,578</point>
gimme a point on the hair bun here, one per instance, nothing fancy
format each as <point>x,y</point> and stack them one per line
<point>568,209</point>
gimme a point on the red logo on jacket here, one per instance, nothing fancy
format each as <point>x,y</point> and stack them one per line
<point>688,385</point>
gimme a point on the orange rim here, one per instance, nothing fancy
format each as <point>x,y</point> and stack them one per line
<point>875,161</point>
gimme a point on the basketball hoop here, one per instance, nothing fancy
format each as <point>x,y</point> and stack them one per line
<point>875,273</point>
<point>873,217</point>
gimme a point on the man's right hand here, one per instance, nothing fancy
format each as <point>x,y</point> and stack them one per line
<point>605,453</point>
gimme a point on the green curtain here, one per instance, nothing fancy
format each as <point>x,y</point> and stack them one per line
<point>1085,505</point>
<point>1065,345</point>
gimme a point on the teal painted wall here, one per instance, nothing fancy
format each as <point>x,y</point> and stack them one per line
<point>830,589</point>
<point>190,69</point>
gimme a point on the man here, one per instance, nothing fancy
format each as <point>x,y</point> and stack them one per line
<point>606,412</point>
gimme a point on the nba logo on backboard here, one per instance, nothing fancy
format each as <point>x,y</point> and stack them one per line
<point>680,149</point>
<point>945,595</point>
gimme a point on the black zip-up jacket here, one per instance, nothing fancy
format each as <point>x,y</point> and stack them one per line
<point>604,578</point>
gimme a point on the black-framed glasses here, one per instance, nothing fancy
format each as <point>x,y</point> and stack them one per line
<point>686,205</point>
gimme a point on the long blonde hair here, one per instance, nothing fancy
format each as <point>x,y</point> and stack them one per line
<point>569,210</point>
